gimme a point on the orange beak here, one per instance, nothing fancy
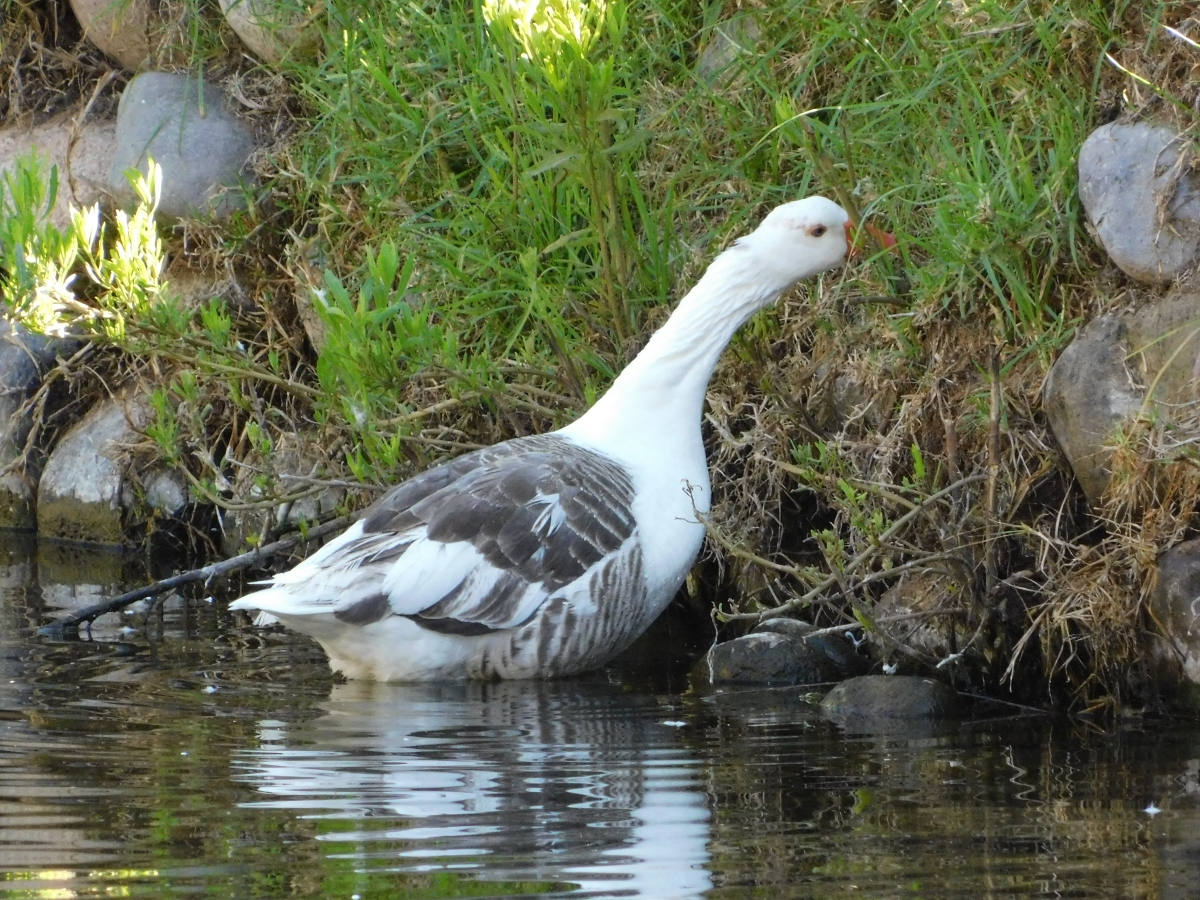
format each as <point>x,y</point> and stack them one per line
<point>885,239</point>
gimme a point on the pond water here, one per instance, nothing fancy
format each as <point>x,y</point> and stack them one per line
<point>194,755</point>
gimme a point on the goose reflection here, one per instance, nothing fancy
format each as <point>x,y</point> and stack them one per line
<point>563,782</point>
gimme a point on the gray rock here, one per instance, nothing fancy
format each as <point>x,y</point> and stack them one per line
<point>82,164</point>
<point>88,492</point>
<point>838,650</point>
<point>186,127</point>
<point>1175,603</point>
<point>80,493</point>
<point>766,658</point>
<point>1140,198</point>
<point>24,358</point>
<point>925,609</point>
<point>1089,394</point>
<point>892,697</point>
<point>194,288</point>
<point>166,491</point>
<point>1163,338</point>
<point>126,30</point>
<point>273,29</point>
<point>1117,368</point>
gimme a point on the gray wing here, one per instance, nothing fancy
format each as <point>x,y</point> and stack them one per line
<point>481,543</point>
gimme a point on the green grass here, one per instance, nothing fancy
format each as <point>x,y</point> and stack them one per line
<point>962,136</point>
<point>550,192</point>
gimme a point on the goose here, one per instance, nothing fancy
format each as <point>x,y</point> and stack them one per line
<point>548,555</point>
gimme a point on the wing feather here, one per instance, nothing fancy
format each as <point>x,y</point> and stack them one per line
<point>477,545</point>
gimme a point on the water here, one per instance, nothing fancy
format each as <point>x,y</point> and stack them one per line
<point>197,756</point>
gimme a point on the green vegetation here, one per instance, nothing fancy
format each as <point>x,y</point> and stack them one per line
<point>481,210</point>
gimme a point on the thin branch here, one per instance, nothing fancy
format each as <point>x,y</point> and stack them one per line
<point>69,624</point>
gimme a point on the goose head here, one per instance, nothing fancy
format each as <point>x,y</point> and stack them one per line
<point>798,240</point>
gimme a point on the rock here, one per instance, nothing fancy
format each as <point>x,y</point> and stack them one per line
<point>202,148</point>
<point>1175,603</point>
<point>843,395</point>
<point>1163,338</point>
<point>1089,394</point>
<point>892,697</point>
<point>1127,173</point>
<point>272,29</point>
<point>127,30</point>
<point>730,39</point>
<point>80,493</point>
<point>87,492</point>
<point>24,358</point>
<point>779,651</point>
<point>767,658</point>
<point>838,650</point>
<point>166,491</point>
<point>1100,382</point>
<point>82,166</point>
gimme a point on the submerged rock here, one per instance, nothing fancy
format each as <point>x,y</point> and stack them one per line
<point>1137,187</point>
<point>892,697</point>
<point>24,359</point>
<point>184,125</point>
<point>82,157</point>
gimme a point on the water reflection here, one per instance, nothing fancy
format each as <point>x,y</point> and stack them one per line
<point>563,782</point>
<point>195,756</point>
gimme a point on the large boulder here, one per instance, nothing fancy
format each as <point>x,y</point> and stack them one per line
<point>1141,198</point>
<point>81,154</point>
<point>185,126</point>
<point>1089,395</point>
<point>24,359</point>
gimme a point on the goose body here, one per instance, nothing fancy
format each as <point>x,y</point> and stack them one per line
<point>548,555</point>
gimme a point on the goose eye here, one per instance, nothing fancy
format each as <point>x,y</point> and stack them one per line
<point>817,230</point>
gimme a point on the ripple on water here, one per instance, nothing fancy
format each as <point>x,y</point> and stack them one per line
<point>197,755</point>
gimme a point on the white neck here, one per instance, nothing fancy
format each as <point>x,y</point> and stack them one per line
<point>657,401</point>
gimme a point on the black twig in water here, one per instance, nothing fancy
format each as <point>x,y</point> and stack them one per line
<point>69,625</point>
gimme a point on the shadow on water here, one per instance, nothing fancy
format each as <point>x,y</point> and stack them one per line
<point>193,754</point>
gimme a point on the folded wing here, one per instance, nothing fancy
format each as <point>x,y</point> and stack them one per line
<point>474,546</point>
